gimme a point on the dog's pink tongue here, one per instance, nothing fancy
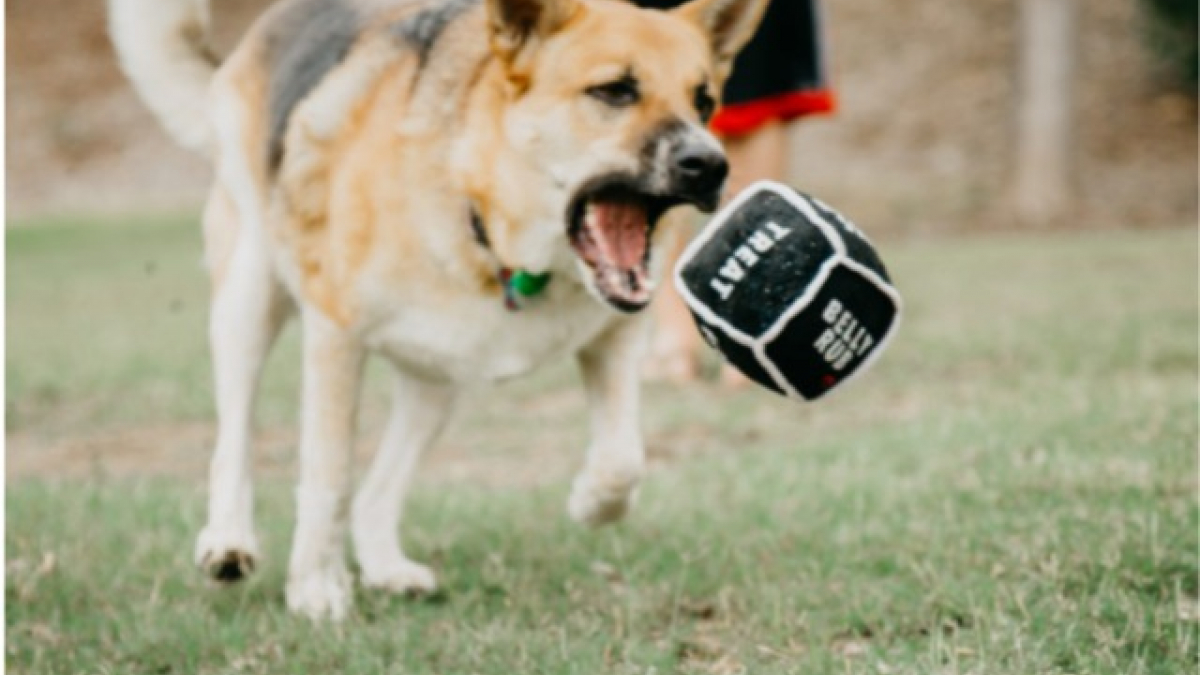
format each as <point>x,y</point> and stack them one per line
<point>619,230</point>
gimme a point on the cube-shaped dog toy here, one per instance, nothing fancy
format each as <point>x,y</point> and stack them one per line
<point>789,291</point>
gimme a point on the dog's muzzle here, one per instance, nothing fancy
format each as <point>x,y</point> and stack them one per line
<point>611,219</point>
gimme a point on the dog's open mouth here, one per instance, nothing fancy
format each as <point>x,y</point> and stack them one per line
<point>610,226</point>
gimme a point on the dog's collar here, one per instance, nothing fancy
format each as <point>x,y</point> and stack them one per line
<point>519,286</point>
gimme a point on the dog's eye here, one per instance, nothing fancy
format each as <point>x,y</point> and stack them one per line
<point>705,105</point>
<point>618,93</point>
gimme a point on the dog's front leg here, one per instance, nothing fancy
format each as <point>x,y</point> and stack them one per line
<point>318,581</point>
<point>419,411</point>
<point>616,459</point>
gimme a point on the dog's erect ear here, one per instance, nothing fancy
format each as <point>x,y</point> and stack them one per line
<point>729,24</point>
<point>516,23</point>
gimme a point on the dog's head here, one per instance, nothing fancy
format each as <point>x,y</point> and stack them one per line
<point>609,102</point>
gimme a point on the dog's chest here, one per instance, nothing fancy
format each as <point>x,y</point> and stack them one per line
<point>468,338</point>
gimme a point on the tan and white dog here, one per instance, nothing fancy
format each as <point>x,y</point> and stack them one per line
<point>393,172</point>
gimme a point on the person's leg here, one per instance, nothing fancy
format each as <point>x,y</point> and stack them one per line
<point>759,155</point>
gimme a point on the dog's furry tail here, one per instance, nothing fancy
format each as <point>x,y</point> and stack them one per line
<point>163,48</point>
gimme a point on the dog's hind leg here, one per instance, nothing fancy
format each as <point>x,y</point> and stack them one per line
<point>419,412</point>
<point>248,309</point>
<point>616,458</point>
<point>318,581</point>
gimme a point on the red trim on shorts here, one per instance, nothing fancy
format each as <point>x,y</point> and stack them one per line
<point>742,118</point>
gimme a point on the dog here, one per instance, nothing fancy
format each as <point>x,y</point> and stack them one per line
<point>467,188</point>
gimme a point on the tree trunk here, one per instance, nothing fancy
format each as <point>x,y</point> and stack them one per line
<point>1042,189</point>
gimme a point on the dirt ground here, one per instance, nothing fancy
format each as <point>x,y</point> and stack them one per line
<point>182,451</point>
<point>921,142</point>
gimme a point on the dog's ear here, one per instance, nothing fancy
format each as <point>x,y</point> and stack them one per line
<point>516,24</point>
<point>729,25</point>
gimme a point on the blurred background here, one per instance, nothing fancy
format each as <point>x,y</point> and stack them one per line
<point>926,138</point>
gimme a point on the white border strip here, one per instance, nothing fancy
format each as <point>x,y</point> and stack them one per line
<point>772,332</point>
<point>714,224</point>
<point>717,222</point>
<point>884,341</point>
<point>880,347</point>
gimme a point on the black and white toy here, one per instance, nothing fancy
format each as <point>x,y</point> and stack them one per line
<point>789,291</point>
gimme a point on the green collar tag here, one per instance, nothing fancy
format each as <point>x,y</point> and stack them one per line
<point>528,285</point>
<point>520,285</point>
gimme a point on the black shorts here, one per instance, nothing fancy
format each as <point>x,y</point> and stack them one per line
<point>780,75</point>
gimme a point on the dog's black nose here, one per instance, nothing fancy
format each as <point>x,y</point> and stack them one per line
<point>700,168</point>
<point>699,173</point>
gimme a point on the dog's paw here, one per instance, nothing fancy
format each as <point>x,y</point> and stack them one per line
<point>600,502</point>
<point>226,556</point>
<point>400,576</point>
<point>321,594</point>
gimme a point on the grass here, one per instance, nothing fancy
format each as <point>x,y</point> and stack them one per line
<point>1012,490</point>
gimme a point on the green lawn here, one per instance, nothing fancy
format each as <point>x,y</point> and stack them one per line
<point>1013,490</point>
